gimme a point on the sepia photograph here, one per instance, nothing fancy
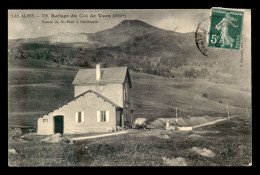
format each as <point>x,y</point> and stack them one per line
<point>129,87</point>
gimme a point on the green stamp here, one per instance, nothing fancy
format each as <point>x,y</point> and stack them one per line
<point>225,28</point>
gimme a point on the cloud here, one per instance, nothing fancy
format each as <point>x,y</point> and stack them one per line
<point>177,25</point>
<point>176,20</point>
<point>182,21</point>
<point>15,29</point>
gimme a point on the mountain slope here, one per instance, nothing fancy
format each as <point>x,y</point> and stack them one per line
<point>133,37</point>
<point>136,44</point>
<point>155,97</point>
<point>123,32</point>
<point>33,92</point>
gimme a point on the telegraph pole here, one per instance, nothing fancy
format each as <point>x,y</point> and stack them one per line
<point>176,113</point>
<point>176,120</point>
<point>227,110</point>
<point>190,113</point>
<point>247,112</point>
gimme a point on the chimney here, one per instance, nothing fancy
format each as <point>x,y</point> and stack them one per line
<point>98,73</point>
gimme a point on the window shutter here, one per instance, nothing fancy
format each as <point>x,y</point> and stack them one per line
<point>98,116</point>
<point>82,116</point>
<point>107,116</point>
<point>76,117</point>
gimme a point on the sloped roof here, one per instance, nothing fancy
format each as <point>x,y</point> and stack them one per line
<point>108,75</point>
<point>81,95</point>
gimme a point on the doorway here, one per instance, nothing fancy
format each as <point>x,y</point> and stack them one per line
<point>119,118</point>
<point>58,124</point>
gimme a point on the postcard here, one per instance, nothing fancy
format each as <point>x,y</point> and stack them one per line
<point>129,87</point>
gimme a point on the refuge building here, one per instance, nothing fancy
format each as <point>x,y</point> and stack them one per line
<point>101,104</point>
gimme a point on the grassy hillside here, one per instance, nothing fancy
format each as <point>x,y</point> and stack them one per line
<point>155,96</point>
<point>36,87</point>
<point>231,141</point>
<point>140,46</point>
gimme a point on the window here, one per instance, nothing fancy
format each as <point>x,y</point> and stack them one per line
<point>102,116</point>
<point>79,117</point>
<point>45,120</point>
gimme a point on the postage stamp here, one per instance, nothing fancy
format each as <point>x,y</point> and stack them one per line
<point>225,28</point>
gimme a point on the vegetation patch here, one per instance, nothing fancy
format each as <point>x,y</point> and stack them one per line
<point>132,150</point>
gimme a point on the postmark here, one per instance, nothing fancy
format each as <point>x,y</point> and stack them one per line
<point>201,36</point>
<point>225,28</point>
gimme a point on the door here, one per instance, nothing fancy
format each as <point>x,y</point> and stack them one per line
<point>120,119</point>
<point>58,124</point>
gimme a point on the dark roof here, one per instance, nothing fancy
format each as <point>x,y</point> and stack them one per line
<point>173,122</point>
<point>81,95</point>
<point>108,75</point>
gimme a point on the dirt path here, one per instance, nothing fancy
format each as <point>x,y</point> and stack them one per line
<point>213,122</point>
<point>97,136</point>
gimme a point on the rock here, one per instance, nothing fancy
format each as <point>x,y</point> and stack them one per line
<point>179,161</point>
<point>18,130</point>
<point>12,151</point>
<point>208,152</point>
<point>71,142</point>
<point>203,152</point>
<point>195,135</point>
<point>162,135</point>
<point>164,159</point>
<point>140,121</point>
<point>150,126</point>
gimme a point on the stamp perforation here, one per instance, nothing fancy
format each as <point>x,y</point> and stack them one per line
<point>220,33</point>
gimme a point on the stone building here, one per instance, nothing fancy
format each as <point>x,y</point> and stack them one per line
<point>101,103</point>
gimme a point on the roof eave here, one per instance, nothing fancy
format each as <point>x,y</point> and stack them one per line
<point>98,83</point>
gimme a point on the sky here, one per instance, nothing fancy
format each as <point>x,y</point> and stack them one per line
<point>178,20</point>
